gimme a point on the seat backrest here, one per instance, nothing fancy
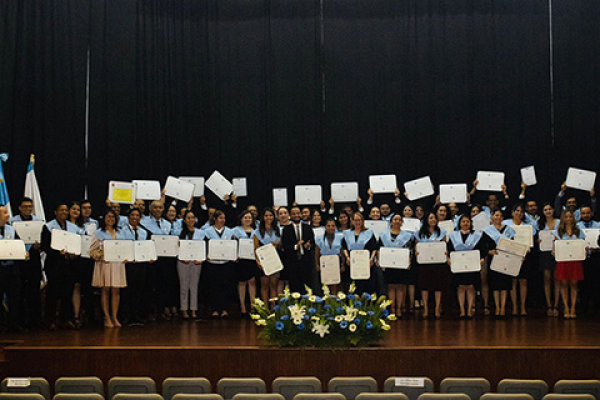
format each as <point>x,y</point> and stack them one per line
<point>258,396</point>
<point>130,385</point>
<point>21,396</point>
<point>78,396</point>
<point>591,386</point>
<point>319,396</point>
<point>506,396</point>
<point>412,387</point>
<point>291,386</point>
<point>562,396</point>
<point>382,396</point>
<point>137,396</point>
<point>79,384</point>
<point>207,396</point>
<point>351,386</point>
<point>173,386</point>
<point>444,396</point>
<point>473,387</point>
<point>229,387</point>
<point>536,388</point>
<point>26,385</point>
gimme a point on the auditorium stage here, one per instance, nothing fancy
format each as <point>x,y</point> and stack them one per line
<point>533,347</point>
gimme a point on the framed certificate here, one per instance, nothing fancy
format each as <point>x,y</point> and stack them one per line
<point>240,187</point>
<point>465,261</point>
<point>12,250</point>
<point>330,270</point>
<point>147,190</point>
<point>192,250</point>
<point>246,249</point>
<point>377,226</point>
<point>145,250</point>
<point>344,192</point>
<point>222,250</point>
<point>269,259</point>
<point>166,245</point>
<point>512,247</point>
<point>411,224</point>
<point>480,221</point>
<point>29,231</point>
<point>581,179</point>
<point>309,195</point>
<point>67,241</point>
<point>490,181</point>
<point>121,192</point>
<point>118,250</point>
<point>523,234</point>
<point>383,183</point>
<point>431,252</point>
<point>219,185</point>
<point>394,257</point>
<point>547,239</point>
<point>591,237</point>
<point>419,188</point>
<point>197,181</point>
<point>569,250</point>
<point>506,263</point>
<point>453,193</point>
<point>528,176</point>
<point>86,242</point>
<point>360,264</point>
<point>448,226</point>
<point>178,189</point>
<point>280,197</point>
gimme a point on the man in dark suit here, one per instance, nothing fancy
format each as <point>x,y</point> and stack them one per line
<point>298,247</point>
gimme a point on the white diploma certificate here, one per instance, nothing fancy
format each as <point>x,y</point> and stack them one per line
<point>411,224</point>
<point>377,226</point>
<point>465,261</point>
<point>222,250</point>
<point>581,179</point>
<point>453,193</point>
<point>344,192</point>
<point>523,234</point>
<point>506,263</point>
<point>29,231</point>
<point>86,242</point>
<point>528,176</point>
<point>240,187</point>
<point>219,185</point>
<point>547,239</point>
<point>166,245</point>
<point>318,231</point>
<point>67,241</point>
<point>119,250</point>
<point>419,188</point>
<point>178,189</point>
<point>12,250</point>
<point>121,192</point>
<point>431,252</point>
<point>147,190</point>
<point>360,264</point>
<point>480,221</point>
<point>269,259</point>
<point>512,247</point>
<point>145,250</point>
<point>383,183</point>
<point>569,250</point>
<point>490,181</point>
<point>309,195</point>
<point>90,228</point>
<point>330,270</point>
<point>448,226</point>
<point>280,197</point>
<point>246,249</point>
<point>591,237</point>
<point>192,250</point>
<point>394,257</point>
<point>197,181</point>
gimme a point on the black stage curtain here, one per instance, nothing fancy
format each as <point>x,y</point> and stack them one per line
<point>43,56</point>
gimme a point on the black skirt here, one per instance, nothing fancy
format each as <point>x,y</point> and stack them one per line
<point>245,270</point>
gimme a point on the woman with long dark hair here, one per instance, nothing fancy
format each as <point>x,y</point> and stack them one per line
<point>189,271</point>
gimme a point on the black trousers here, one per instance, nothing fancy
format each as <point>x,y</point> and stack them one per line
<point>167,283</point>
<point>10,285</point>
<point>59,290</point>
<point>300,272</point>
<point>31,295</point>
<point>132,296</point>
<point>221,282</point>
<point>589,293</point>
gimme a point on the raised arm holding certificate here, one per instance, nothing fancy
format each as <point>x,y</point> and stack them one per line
<point>569,250</point>
<point>219,185</point>
<point>269,259</point>
<point>29,231</point>
<point>383,183</point>
<point>580,179</point>
<point>491,181</point>
<point>330,270</point>
<point>121,192</point>
<point>360,264</point>
<point>222,250</point>
<point>419,188</point>
<point>528,176</point>
<point>308,195</point>
<point>147,190</point>
<point>344,192</point>
<point>431,252</point>
<point>12,250</point>
<point>178,189</point>
<point>118,250</point>
<point>280,197</point>
<point>192,250</point>
<point>197,181</point>
<point>393,257</point>
<point>455,193</point>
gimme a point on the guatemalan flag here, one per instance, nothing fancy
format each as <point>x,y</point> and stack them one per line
<point>33,191</point>
<point>4,200</point>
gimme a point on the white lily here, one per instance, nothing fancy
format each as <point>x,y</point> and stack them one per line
<point>320,329</point>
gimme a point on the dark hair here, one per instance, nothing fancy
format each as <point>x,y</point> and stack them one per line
<point>349,224</point>
<point>25,199</point>
<point>185,230</point>
<point>515,206</point>
<point>165,212</point>
<point>437,208</point>
<point>409,205</point>
<point>467,217</point>
<point>243,213</point>
<point>542,221</point>
<point>475,205</point>
<point>79,220</point>
<point>59,204</point>
<point>216,215</point>
<point>102,221</point>
<point>262,226</point>
<point>424,231</point>
<point>134,209</point>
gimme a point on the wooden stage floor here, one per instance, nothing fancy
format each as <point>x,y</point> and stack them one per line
<point>534,347</point>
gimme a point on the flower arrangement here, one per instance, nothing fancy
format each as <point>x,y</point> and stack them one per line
<point>341,320</point>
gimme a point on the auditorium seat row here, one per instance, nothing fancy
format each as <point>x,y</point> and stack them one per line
<point>296,388</point>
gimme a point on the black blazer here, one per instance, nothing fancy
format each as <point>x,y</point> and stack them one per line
<point>288,239</point>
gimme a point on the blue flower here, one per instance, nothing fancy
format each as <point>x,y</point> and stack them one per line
<point>351,296</point>
<point>312,310</point>
<point>367,297</point>
<point>300,326</point>
<point>371,312</point>
<point>305,296</point>
<point>279,326</point>
<point>386,312</point>
<point>305,317</point>
<point>357,303</point>
<point>344,324</point>
<point>319,299</point>
<point>285,317</point>
<point>357,321</point>
<point>275,308</point>
<point>339,310</point>
<point>283,299</point>
<point>326,307</point>
<point>330,318</point>
<point>369,325</point>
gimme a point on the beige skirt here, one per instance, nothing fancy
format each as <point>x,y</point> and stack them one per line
<point>109,274</point>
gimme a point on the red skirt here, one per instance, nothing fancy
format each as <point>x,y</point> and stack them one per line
<point>569,271</point>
